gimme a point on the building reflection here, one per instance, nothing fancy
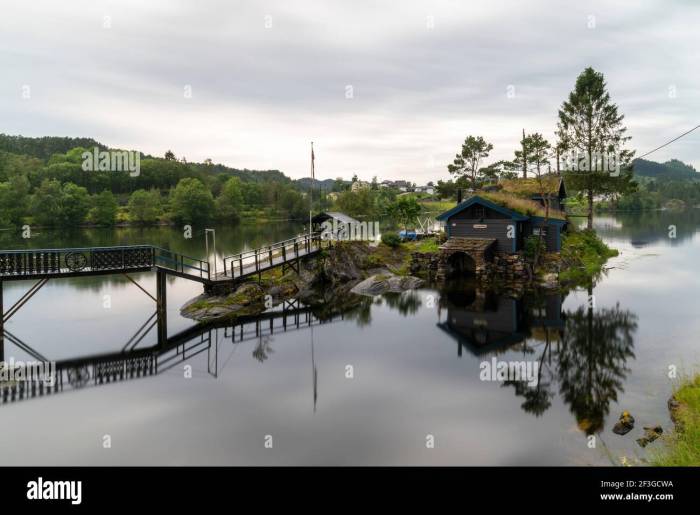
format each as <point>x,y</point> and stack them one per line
<point>582,354</point>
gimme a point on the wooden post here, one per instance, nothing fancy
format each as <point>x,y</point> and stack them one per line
<point>2,325</point>
<point>161,302</point>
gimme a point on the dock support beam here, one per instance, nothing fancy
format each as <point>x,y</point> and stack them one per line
<point>2,325</point>
<point>162,306</point>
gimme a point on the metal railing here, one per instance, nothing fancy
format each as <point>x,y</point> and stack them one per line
<point>180,263</point>
<point>264,258</point>
<point>73,261</point>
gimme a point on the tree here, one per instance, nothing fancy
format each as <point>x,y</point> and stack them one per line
<point>170,156</point>
<point>229,203</point>
<point>144,206</point>
<point>446,189</point>
<point>591,126</point>
<point>191,201</point>
<point>405,210</point>
<point>75,204</point>
<point>14,200</point>
<point>46,202</point>
<point>467,163</point>
<point>104,210</point>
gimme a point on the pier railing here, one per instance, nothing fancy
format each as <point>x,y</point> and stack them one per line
<point>35,262</point>
<point>182,264</point>
<point>264,258</point>
<point>87,260</point>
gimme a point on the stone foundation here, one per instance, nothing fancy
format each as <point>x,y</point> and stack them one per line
<point>506,267</point>
<point>424,264</point>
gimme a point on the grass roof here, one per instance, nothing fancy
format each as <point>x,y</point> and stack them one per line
<point>531,186</point>
<point>520,205</point>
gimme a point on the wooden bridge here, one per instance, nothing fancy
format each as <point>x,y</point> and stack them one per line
<point>45,264</point>
<point>75,262</point>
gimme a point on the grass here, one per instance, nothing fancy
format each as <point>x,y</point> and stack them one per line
<point>520,205</point>
<point>583,255</point>
<point>437,206</point>
<point>426,245</point>
<point>529,187</point>
<point>683,445</point>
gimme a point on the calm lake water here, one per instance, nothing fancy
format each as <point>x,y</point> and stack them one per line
<point>415,358</point>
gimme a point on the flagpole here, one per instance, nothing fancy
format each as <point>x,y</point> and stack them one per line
<point>311,189</point>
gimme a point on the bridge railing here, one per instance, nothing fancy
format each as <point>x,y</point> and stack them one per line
<point>253,261</point>
<point>74,260</point>
<point>181,263</point>
<point>42,262</point>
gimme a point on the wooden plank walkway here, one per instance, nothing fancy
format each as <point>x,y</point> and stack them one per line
<point>74,262</point>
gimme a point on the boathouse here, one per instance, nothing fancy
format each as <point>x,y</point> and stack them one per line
<point>495,224</point>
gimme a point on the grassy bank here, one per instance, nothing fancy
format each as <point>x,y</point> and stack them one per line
<point>682,447</point>
<point>583,255</point>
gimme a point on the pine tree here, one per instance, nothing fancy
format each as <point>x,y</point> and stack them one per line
<point>590,126</point>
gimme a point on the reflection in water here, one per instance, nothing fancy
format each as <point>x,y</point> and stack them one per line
<point>585,351</point>
<point>649,227</point>
<point>134,363</point>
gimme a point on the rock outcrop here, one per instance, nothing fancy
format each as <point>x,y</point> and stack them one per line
<point>386,283</point>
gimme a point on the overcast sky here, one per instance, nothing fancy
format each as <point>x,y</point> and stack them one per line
<point>268,77</point>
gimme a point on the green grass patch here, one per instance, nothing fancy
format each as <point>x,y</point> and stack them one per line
<point>682,447</point>
<point>583,255</point>
<point>438,206</point>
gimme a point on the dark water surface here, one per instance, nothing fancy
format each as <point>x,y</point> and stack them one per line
<point>415,359</point>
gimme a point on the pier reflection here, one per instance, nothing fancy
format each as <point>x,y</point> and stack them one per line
<point>135,361</point>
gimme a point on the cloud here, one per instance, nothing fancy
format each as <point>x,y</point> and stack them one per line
<point>269,77</point>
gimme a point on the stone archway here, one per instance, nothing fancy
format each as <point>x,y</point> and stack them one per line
<point>460,264</point>
<point>464,256</point>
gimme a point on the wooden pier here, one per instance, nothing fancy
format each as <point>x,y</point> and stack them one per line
<point>42,265</point>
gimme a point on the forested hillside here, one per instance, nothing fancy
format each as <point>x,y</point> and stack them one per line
<point>42,181</point>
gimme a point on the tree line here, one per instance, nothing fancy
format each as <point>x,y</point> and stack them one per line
<point>56,191</point>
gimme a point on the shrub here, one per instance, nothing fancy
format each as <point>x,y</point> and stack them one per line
<point>391,239</point>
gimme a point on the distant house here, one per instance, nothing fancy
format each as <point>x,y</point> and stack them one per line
<point>359,185</point>
<point>332,196</point>
<point>430,190</point>
<point>339,226</point>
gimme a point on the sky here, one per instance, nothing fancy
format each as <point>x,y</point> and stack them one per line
<point>387,89</point>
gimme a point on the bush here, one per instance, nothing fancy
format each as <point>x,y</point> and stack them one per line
<point>391,239</point>
<point>534,245</point>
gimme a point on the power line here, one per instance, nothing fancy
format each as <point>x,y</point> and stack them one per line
<point>669,142</point>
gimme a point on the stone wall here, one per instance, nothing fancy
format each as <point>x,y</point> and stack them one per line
<point>506,267</point>
<point>501,267</point>
<point>424,264</point>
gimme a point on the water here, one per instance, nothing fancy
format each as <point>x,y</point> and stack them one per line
<point>414,359</point>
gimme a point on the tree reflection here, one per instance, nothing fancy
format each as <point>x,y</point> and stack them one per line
<point>592,361</point>
<point>406,303</point>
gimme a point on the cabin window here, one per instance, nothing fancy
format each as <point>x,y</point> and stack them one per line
<point>537,231</point>
<point>479,212</point>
